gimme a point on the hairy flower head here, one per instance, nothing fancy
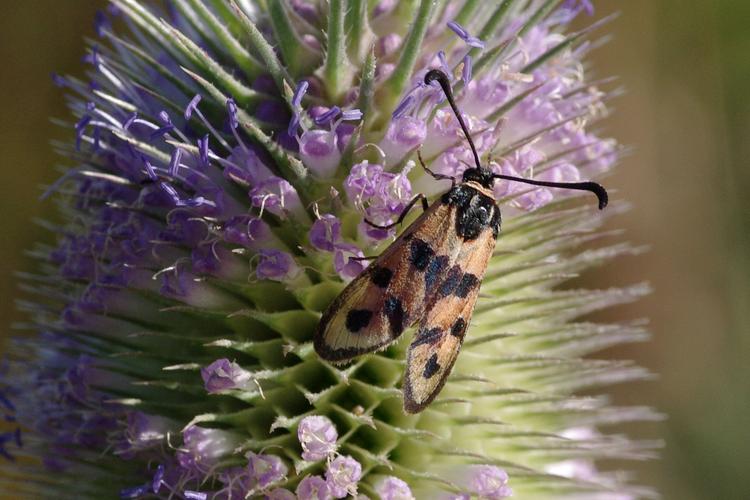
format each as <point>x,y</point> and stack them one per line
<point>224,156</point>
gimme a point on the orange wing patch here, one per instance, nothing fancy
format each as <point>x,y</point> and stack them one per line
<point>390,295</point>
<point>435,347</point>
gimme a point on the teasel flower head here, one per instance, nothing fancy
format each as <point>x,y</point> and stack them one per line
<point>222,159</point>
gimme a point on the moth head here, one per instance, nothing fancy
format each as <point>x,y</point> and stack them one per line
<point>481,176</point>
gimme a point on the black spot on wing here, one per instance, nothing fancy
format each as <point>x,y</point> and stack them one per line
<point>381,276</point>
<point>467,284</point>
<point>459,328</point>
<point>431,367</point>
<point>394,311</point>
<point>421,254</point>
<point>434,269</point>
<point>450,282</point>
<point>425,336</point>
<point>356,319</point>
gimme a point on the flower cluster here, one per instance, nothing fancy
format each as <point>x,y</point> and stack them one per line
<point>230,166</point>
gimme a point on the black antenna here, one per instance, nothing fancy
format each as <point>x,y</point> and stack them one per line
<point>435,75</point>
<point>593,187</point>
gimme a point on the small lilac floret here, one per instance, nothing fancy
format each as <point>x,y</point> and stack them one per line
<point>313,488</point>
<point>93,57</point>
<point>164,117</point>
<point>325,232</point>
<point>488,481</point>
<point>352,115</point>
<point>223,374</point>
<point>275,265</point>
<point>327,116</point>
<point>342,476</point>
<point>404,134</point>
<point>100,23</point>
<point>203,149</point>
<point>80,127</point>
<point>58,81</point>
<point>232,111</point>
<point>444,63</point>
<point>194,495</point>
<point>134,491</point>
<point>266,469</point>
<point>237,482</point>
<point>145,431</point>
<point>129,122</point>
<point>174,162</point>
<point>299,93</point>
<point>464,35</point>
<point>202,448</point>
<point>280,494</point>
<point>404,106</point>
<point>192,105</point>
<point>246,231</point>
<point>388,44</point>
<point>318,436</point>
<point>393,488</point>
<point>319,151</point>
<point>158,478</point>
<point>293,125</point>
<point>458,30</point>
<point>276,195</point>
<point>345,264</point>
<point>466,72</point>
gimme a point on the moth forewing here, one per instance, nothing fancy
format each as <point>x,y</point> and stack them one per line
<point>391,294</point>
<point>435,347</point>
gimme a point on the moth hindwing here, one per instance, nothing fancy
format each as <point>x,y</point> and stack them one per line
<point>431,273</point>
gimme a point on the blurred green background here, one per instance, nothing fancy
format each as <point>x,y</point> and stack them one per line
<point>686,69</point>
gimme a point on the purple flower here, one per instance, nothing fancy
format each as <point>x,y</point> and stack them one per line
<point>404,134</point>
<point>393,488</point>
<point>488,481</point>
<point>464,35</point>
<point>347,267</point>
<point>388,44</point>
<point>276,195</point>
<point>320,151</point>
<point>134,491</point>
<point>194,495</point>
<point>202,448</point>
<point>237,482</point>
<point>313,488</point>
<point>223,374</point>
<point>275,265</point>
<point>145,431</point>
<point>245,167</point>
<point>280,494</point>
<point>342,476</point>
<point>381,195</point>
<point>266,469</point>
<point>318,436</point>
<point>250,232</point>
<point>325,232</point>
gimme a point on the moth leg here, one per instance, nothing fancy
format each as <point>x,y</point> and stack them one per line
<point>401,217</point>
<point>433,174</point>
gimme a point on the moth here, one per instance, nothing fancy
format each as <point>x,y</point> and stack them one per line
<point>430,274</point>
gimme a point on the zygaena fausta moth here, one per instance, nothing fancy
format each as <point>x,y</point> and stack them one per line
<point>431,273</point>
